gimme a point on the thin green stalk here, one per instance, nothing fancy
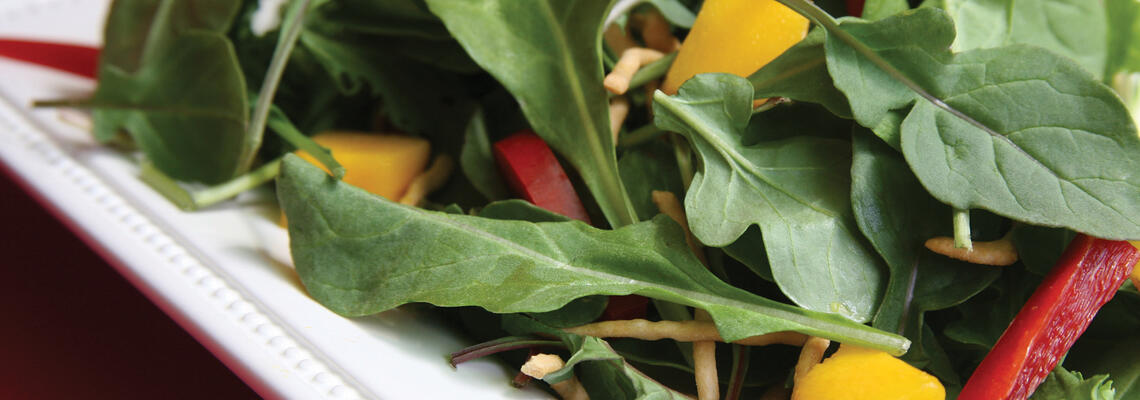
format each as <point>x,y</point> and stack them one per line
<point>640,135</point>
<point>740,358</point>
<point>962,238</point>
<point>294,22</point>
<point>684,155</point>
<point>69,103</point>
<point>822,18</point>
<point>652,71</point>
<point>284,128</point>
<point>191,201</point>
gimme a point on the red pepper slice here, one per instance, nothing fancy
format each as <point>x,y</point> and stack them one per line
<point>534,173</point>
<point>76,59</point>
<point>1084,279</point>
<point>855,8</point>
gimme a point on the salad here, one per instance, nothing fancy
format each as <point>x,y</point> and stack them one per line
<point>721,198</point>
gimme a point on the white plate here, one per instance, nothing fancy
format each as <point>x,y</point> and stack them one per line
<point>208,269</point>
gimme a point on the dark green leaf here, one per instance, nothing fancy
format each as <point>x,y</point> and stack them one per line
<point>1040,247</point>
<point>801,74</point>
<point>796,190</point>
<point>546,53</point>
<point>879,9</point>
<point>169,77</point>
<point>1071,28</point>
<point>897,216</point>
<point>477,161</point>
<point>1031,137</point>
<point>648,168</point>
<point>675,12</point>
<point>359,254</point>
<point>1123,36</point>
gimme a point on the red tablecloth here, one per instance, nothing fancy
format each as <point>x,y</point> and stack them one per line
<point>72,328</point>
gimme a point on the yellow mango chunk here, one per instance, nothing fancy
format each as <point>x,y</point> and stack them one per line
<point>736,37</point>
<point>380,164</point>
<point>856,373</point>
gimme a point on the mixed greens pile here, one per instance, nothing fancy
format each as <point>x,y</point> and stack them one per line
<point>971,118</point>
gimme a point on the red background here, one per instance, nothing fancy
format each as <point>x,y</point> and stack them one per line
<point>72,328</point>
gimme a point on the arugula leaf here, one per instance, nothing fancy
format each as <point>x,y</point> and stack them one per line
<point>800,73</point>
<point>879,9</point>
<point>1071,28</point>
<point>1123,36</point>
<point>477,161</point>
<point>675,12</point>
<point>609,376</point>
<point>603,372</point>
<point>796,190</point>
<point>547,54</point>
<point>1064,385</point>
<point>647,168</point>
<point>169,77</point>
<point>359,254</point>
<point>1017,130</point>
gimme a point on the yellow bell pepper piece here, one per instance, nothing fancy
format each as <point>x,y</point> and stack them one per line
<point>736,37</point>
<point>380,164</point>
<point>855,373</point>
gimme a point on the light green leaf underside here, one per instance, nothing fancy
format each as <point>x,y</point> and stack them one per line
<point>1071,28</point>
<point>359,254</point>
<point>1035,138</point>
<point>796,190</point>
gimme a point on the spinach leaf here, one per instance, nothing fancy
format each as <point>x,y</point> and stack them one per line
<point>1064,385</point>
<point>1071,28</point>
<point>1015,130</point>
<point>894,213</point>
<point>796,190</point>
<point>359,254</point>
<point>800,73</point>
<point>169,77</point>
<point>547,53</point>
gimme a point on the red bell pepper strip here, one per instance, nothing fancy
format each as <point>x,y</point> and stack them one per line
<point>534,173</point>
<point>855,8</point>
<point>75,59</point>
<point>1084,279</point>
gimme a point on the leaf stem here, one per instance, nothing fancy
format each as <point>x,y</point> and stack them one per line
<point>498,346</point>
<point>822,18</point>
<point>284,128</point>
<point>652,70</point>
<point>740,356</point>
<point>70,103</point>
<point>191,201</point>
<point>684,155</point>
<point>962,238</point>
<point>640,135</point>
<point>285,43</point>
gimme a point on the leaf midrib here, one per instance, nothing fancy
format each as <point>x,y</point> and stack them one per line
<point>697,297</point>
